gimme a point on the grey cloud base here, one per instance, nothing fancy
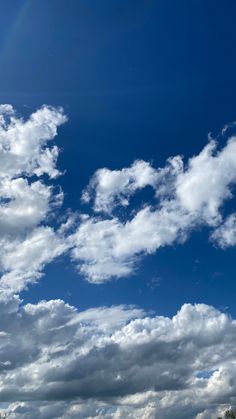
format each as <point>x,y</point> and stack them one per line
<point>58,362</point>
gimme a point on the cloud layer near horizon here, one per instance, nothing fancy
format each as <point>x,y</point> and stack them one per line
<point>115,361</point>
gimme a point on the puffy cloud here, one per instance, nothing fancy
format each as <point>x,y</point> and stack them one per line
<point>108,248</point>
<point>187,196</point>
<point>200,187</point>
<point>110,188</point>
<point>115,362</point>
<point>104,246</point>
<point>22,260</point>
<point>26,244</point>
<point>24,205</point>
<point>206,183</point>
<point>23,144</point>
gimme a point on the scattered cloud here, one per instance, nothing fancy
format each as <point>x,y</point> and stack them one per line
<point>187,196</point>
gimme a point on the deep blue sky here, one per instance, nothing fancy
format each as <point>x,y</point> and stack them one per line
<point>138,79</point>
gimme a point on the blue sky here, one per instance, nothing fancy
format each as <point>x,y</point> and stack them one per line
<point>140,80</point>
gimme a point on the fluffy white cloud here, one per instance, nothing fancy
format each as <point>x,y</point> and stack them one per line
<point>110,188</point>
<point>22,260</point>
<point>26,244</point>
<point>109,248</point>
<point>115,362</point>
<point>187,196</point>
<point>24,205</point>
<point>23,144</point>
<point>206,183</point>
<point>200,187</point>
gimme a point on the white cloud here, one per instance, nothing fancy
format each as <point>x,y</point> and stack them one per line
<point>200,187</point>
<point>187,197</point>
<point>23,206</point>
<point>108,248</point>
<point>26,244</point>
<point>110,188</point>
<point>206,183</point>
<point>111,362</point>
<point>23,143</point>
<point>114,187</point>
<point>23,259</point>
<point>225,234</point>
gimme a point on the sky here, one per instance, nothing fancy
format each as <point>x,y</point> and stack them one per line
<point>117,209</point>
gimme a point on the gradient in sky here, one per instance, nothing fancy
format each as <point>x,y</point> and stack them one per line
<point>117,208</point>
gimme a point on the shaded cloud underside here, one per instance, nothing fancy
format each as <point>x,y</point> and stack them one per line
<point>115,362</point>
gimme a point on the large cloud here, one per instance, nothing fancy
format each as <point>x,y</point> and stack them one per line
<point>111,362</point>
<point>187,196</point>
<point>26,199</point>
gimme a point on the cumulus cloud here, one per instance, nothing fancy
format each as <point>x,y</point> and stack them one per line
<point>22,260</point>
<point>110,188</point>
<point>23,144</point>
<point>206,183</point>
<point>108,362</point>
<point>188,196</point>
<point>109,248</point>
<point>115,362</point>
<point>105,244</point>
<point>26,200</point>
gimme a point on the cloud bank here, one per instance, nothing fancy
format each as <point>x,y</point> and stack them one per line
<point>115,362</point>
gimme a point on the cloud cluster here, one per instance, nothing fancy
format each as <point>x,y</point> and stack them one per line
<point>109,243</point>
<point>188,196</point>
<point>115,362</point>
<point>108,362</point>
